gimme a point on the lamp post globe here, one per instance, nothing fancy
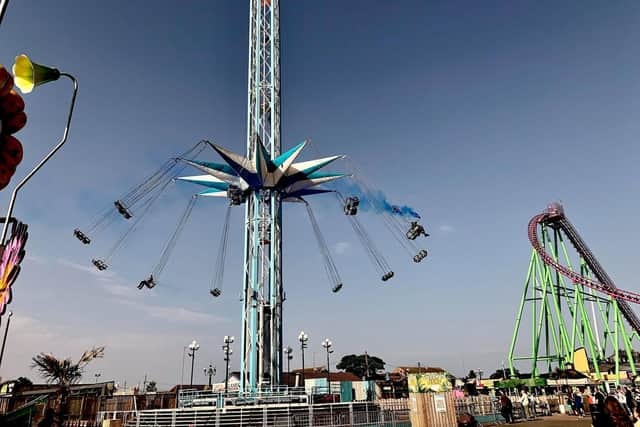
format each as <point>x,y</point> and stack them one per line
<point>210,372</point>
<point>303,338</point>
<point>327,346</point>
<point>193,347</point>
<point>228,351</point>
<point>288,351</point>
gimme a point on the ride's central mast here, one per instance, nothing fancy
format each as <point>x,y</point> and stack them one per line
<point>262,315</point>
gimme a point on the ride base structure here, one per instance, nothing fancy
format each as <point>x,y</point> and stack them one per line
<point>573,305</point>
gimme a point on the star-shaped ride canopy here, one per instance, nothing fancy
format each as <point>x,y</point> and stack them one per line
<point>244,175</point>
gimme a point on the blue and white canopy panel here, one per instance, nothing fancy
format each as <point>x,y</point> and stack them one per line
<point>291,180</point>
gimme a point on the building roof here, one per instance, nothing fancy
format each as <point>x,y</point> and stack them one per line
<point>418,369</point>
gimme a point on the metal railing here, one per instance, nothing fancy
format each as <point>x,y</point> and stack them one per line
<point>329,415</point>
<point>285,395</point>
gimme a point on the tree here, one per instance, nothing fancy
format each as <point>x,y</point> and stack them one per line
<point>362,365</point>
<point>152,387</point>
<point>22,382</point>
<point>471,374</point>
<point>62,373</point>
<point>501,374</point>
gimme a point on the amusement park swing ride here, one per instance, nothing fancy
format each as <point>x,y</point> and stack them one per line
<point>260,181</point>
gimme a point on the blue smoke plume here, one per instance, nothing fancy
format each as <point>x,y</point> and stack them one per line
<point>376,198</point>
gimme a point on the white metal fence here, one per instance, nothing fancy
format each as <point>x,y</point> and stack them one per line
<point>334,415</point>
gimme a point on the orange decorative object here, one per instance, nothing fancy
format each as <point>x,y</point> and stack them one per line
<point>13,123</point>
<point>11,151</point>
<point>12,103</point>
<point>6,81</point>
<point>12,119</point>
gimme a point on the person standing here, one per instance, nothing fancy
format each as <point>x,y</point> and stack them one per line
<point>524,401</point>
<point>506,408</point>
<point>631,403</point>
<point>622,399</point>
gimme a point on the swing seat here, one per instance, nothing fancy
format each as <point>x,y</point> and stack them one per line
<point>81,236</point>
<point>122,209</point>
<point>99,264</point>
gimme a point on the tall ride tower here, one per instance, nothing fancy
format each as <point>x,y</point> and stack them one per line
<point>262,180</point>
<point>262,280</point>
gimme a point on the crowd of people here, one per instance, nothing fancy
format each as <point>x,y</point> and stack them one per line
<point>619,408</point>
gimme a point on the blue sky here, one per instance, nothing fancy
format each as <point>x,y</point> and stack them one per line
<point>475,113</point>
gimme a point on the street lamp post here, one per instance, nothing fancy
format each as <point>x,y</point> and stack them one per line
<point>194,346</point>
<point>228,351</point>
<point>327,346</point>
<point>210,372</point>
<point>288,350</point>
<point>97,375</point>
<point>303,338</point>
<point>6,331</point>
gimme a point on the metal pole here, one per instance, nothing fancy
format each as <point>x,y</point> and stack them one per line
<point>193,359</point>
<point>6,331</point>
<point>226,374</point>
<point>43,161</point>
<point>302,348</point>
<point>184,349</point>
<point>3,8</point>
<point>329,374</point>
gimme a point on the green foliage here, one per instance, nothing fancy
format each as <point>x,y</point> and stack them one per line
<point>152,387</point>
<point>500,374</point>
<point>64,372</point>
<point>471,374</point>
<point>358,365</point>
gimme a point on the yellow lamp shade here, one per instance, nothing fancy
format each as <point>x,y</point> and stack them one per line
<point>28,74</point>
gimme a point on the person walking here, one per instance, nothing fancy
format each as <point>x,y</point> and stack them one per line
<point>578,403</point>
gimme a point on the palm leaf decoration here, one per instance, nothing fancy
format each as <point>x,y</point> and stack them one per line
<point>64,371</point>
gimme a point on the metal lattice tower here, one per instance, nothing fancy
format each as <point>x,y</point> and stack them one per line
<point>261,359</point>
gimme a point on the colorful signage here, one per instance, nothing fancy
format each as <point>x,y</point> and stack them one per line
<point>428,382</point>
<point>11,255</point>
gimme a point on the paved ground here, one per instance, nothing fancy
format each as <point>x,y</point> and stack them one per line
<point>557,421</point>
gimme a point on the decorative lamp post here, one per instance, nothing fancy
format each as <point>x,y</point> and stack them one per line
<point>288,350</point>
<point>210,372</point>
<point>27,76</point>
<point>193,347</point>
<point>303,338</point>
<point>97,375</point>
<point>327,346</point>
<point>228,351</point>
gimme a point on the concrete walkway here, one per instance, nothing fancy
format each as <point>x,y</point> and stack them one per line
<point>558,420</point>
